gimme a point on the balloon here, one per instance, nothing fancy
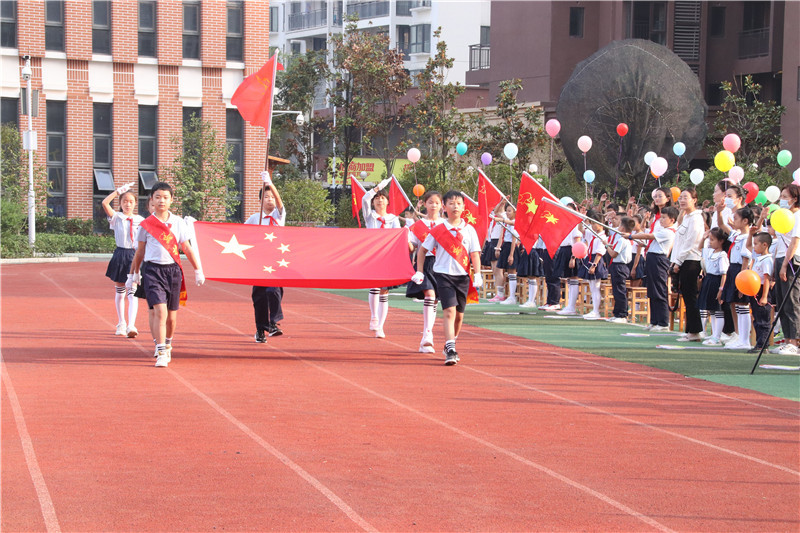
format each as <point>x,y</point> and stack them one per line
<point>731,142</point>
<point>772,208</point>
<point>659,166</point>
<point>796,175</point>
<point>772,193</point>
<point>584,143</point>
<point>566,200</point>
<point>588,176</point>
<point>418,190</point>
<point>486,158</point>
<point>736,173</point>
<point>414,155</point>
<point>761,198</point>
<point>461,148</point>
<point>784,157</point>
<point>679,149</point>
<point>696,176</point>
<point>649,157</point>
<point>510,151</point>
<point>782,220</point>
<point>622,129</point>
<point>532,168</point>
<point>552,127</point>
<point>752,191</point>
<point>580,250</point>
<point>748,282</point>
<point>676,192</point>
<point>363,174</point>
<point>724,161</point>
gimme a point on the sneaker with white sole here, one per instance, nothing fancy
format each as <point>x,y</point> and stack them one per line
<point>788,349</point>
<point>373,324</point>
<point>712,341</point>
<point>690,337</point>
<point>725,338</point>
<point>121,327</point>
<point>163,358</point>
<point>738,345</point>
<point>450,357</point>
<point>528,304</point>
<point>379,334</point>
<point>426,344</point>
<point>132,332</point>
<point>592,315</point>
<point>618,320</point>
<point>511,300</point>
<point>656,329</point>
<point>566,312</point>
<point>494,299</point>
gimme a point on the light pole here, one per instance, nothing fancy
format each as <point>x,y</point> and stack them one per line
<point>29,144</point>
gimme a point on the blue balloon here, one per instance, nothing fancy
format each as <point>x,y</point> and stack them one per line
<point>588,176</point>
<point>510,151</point>
<point>678,149</point>
<point>461,148</point>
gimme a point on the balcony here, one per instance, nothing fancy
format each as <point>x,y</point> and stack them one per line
<point>479,56</point>
<point>754,43</point>
<point>368,10</point>
<point>313,19</point>
<point>404,7</point>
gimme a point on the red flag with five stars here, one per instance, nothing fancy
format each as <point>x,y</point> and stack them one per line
<point>553,222</point>
<point>529,203</point>
<point>255,94</point>
<point>278,256</point>
<point>488,198</point>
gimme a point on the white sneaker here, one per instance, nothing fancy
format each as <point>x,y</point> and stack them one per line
<point>737,345</point>
<point>618,320</point>
<point>788,349</point>
<point>725,338</point>
<point>163,359</point>
<point>592,315</point>
<point>121,329</point>
<point>168,348</point>
<point>566,311</point>
<point>655,329</point>
<point>733,339</point>
<point>712,341</point>
<point>373,324</point>
<point>132,332</point>
<point>379,334</point>
<point>426,344</point>
<point>511,300</point>
<point>648,327</point>
<point>496,298</point>
<point>690,337</point>
<point>528,304</point>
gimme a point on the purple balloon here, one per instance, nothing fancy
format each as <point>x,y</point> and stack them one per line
<point>486,158</point>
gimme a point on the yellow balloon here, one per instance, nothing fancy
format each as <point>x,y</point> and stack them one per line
<point>724,161</point>
<point>782,220</point>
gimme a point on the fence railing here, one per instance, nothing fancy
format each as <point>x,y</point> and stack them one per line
<point>366,10</point>
<point>754,43</point>
<point>479,56</point>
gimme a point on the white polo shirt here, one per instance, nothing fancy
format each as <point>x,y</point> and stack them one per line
<point>154,252</point>
<point>445,264</point>
<point>122,228</point>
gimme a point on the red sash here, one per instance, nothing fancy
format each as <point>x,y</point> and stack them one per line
<point>165,238</point>
<point>420,230</point>
<point>456,249</point>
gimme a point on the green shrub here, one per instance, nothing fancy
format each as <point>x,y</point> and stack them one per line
<point>68,226</point>
<point>52,244</point>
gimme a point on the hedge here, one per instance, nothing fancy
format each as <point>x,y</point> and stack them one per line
<point>53,244</point>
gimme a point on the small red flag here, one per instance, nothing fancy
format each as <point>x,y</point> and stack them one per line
<point>357,193</point>
<point>488,198</point>
<point>254,95</point>
<point>470,213</point>
<point>398,201</point>
<point>529,203</point>
<point>554,222</point>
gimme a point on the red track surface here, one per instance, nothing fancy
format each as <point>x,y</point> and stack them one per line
<point>328,429</point>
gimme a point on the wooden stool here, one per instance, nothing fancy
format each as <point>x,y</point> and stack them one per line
<point>584,303</point>
<point>488,290</point>
<point>639,311</point>
<point>678,314</point>
<point>541,295</point>
<point>607,300</point>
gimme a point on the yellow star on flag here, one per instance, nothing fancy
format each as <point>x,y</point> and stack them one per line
<point>283,248</point>
<point>550,217</point>
<point>283,263</point>
<point>470,218</point>
<point>233,247</point>
<point>532,207</point>
<point>269,236</point>
<point>269,269</point>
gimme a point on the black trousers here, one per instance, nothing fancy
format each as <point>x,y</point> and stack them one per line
<point>553,286</point>
<point>267,306</point>
<point>656,277</point>
<point>619,272</point>
<point>761,319</point>
<point>688,275</point>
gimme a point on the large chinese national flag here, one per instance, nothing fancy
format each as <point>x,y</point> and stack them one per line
<point>398,201</point>
<point>278,256</point>
<point>488,198</point>
<point>529,203</point>
<point>254,95</point>
<point>357,193</point>
<point>553,222</point>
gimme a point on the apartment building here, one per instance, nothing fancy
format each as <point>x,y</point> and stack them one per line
<point>116,81</point>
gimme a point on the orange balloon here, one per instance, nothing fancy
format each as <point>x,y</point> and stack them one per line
<point>418,190</point>
<point>748,282</point>
<point>676,192</point>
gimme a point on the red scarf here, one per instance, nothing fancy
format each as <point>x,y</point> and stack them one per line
<point>453,246</point>
<point>161,232</point>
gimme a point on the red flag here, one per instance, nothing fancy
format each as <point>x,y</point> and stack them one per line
<point>398,201</point>
<point>529,203</point>
<point>470,213</point>
<point>254,95</point>
<point>278,256</point>
<point>488,198</point>
<point>357,193</point>
<point>554,223</point>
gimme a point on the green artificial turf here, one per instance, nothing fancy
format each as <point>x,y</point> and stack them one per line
<point>606,339</point>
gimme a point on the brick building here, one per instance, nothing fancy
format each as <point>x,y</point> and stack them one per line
<point>117,80</point>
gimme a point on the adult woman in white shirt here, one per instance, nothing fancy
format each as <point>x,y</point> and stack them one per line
<point>787,261</point>
<point>685,260</point>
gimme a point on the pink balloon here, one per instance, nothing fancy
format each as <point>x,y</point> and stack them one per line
<point>552,127</point>
<point>580,250</point>
<point>585,143</point>
<point>414,155</point>
<point>659,166</point>
<point>736,174</point>
<point>731,142</point>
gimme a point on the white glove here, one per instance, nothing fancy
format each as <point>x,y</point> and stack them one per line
<point>125,188</point>
<point>418,277</point>
<point>384,183</point>
<point>477,281</point>
<point>199,278</point>
<point>133,281</point>
<point>265,178</point>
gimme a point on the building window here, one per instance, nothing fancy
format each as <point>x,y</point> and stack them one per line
<point>103,179</point>
<point>420,39</point>
<point>714,94</point>
<point>57,158</point>
<point>191,30</point>
<point>147,28</point>
<point>649,21</point>
<point>756,16</point>
<point>273,20</point>
<point>485,33</point>
<point>404,40</point>
<point>234,138</point>
<point>9,111</point>
<point>575,22</point>
<point>716,24</point>
<point>8,23</point>
<point>54,25</point>
<point>148,152</point>
<point>234,41</point>
<point>101,27</point>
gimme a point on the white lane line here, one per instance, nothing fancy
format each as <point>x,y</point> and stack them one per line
<point>48,510</point>
<point>297,469</point>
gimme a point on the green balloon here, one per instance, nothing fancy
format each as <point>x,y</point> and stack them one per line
<point>761,198</point>
<point>784,157</point>
<point>773,207</point>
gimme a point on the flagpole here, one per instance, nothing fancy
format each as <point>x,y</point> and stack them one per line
<point>269,131</point>
<point>584,217</point>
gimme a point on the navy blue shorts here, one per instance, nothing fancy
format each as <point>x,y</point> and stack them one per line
<point>452,291</point>
<point>162,285</point>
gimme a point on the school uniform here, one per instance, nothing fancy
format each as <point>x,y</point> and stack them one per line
<point>162,276</point>
<point>267,300</point>
<point>493,237</point>
<point>126,230</point>
<point>530,264</point>
<point>561,268</point>
<point>657,273</point>
<point>736,253</point>
<point>715,265</point>
<point>762,265</point>
<point>596,247</point>
<point>429,282</point>
<point>619,271</point>
<point>452,280</point>
<point>505,248</point>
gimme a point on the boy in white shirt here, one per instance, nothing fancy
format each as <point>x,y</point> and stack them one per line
<point>621,253</point>
<point>759,243</point>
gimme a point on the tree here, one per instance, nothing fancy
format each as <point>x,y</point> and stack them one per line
<point>306,202</point>
<point>202,173</point>
<point>14,184</point>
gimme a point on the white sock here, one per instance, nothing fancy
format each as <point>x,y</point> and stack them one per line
<point>594,285</point>
<point>704,319</point>
<point>383,309</point>
<point>572,293</point>
<point>373,303</point>
<point>428,315</point>
<point>743,318</point>
<point>119,303</point>
<point>133,308</point>
<point>512,285</point>
<point>533,288</point>
<point>717,322</point>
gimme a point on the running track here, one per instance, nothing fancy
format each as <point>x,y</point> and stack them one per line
<point>328,429</point>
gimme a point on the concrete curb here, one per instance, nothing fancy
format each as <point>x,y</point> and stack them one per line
<point>66,258</point>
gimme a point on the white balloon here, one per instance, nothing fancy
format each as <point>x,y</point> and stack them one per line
<point>532,168</point>
<point>363,174</point>
<point>413,155</point>
<point>566,200</point>
<point>696,176</point>
<point>649,157</point>
<point>659,166</point>
<point>772,193</point>
<point>584,143</point>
